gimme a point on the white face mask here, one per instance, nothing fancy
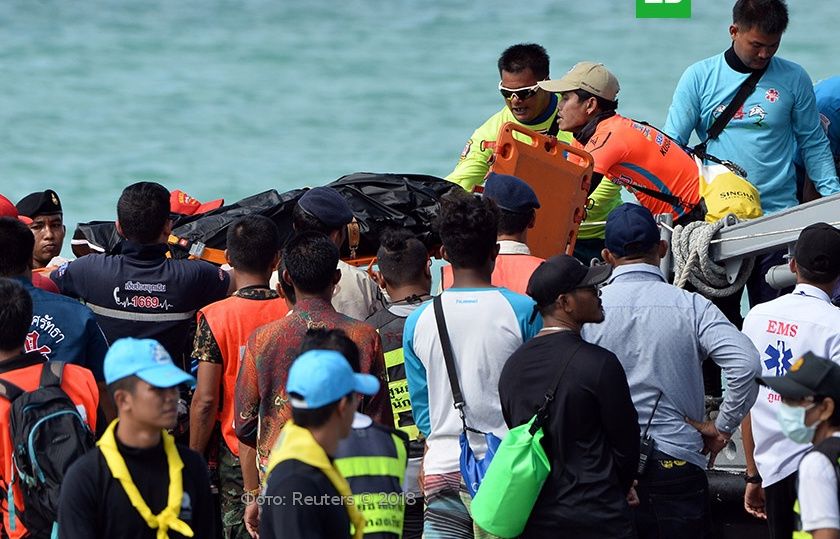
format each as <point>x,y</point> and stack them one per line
<point>792,421</point>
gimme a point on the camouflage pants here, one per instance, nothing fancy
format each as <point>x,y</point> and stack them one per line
<point>230,495</point>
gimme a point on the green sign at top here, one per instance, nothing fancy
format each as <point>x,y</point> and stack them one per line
<point>663,9</point>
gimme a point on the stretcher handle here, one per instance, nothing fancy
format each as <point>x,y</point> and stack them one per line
<point>549,143</point>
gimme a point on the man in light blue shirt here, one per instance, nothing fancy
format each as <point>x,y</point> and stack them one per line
<point>662,334</point>
<point>779,115</point>
<point>827,92</point>
<point>762,136</point>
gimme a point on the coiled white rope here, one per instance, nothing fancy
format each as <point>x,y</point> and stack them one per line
<point>692,263</point>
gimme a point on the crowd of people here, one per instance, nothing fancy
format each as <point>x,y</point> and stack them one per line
<point>290,394</point>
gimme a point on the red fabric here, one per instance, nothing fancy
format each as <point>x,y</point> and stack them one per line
<point>44,283</point>
<point>184,204</point>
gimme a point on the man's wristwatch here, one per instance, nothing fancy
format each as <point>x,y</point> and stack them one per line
<point>756,479</point>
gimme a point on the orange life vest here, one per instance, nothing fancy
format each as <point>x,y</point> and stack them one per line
<point>511,272</point>
<point>232,320</point>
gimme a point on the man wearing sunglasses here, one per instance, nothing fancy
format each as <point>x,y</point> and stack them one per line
<point>595,454</point>
<point>522,69</point>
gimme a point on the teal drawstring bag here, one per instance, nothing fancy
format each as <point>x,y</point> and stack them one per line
<point>513,481</point>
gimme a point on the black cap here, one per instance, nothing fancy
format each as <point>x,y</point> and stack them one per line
<point>40,203</point>
<point>327,205</point>
<point>818,250</point>
<point>808,376</point>
<point>561,274</point>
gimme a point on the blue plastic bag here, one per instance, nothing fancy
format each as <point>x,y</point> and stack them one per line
<point>473,468</point>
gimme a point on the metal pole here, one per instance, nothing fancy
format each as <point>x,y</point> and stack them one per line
<point>666,263</point>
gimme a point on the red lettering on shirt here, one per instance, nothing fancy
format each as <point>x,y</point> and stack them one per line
<point>781,328</point>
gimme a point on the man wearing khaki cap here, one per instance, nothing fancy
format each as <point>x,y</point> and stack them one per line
<point>631,154</point>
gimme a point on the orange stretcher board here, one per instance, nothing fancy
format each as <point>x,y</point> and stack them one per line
<point>560,176</point>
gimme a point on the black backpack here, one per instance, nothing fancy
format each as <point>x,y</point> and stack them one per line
<point>48,434</point>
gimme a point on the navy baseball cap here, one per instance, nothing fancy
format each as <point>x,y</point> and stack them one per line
<point>145,359</point>
<point>321,377</point>
<point>630,224</point>
<point>327,205</point>
<point>808,376</point>
<point>510,193</point>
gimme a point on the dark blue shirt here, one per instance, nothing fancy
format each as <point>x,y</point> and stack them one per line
<point>64,330</point>
<point>141,293</point>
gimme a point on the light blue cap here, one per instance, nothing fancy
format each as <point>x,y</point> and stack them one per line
<point>146,359</point>
<point>322,377</point>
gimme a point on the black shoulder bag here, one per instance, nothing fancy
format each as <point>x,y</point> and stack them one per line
<point>746,89</point>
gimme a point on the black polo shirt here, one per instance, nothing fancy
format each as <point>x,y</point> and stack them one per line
<point>141,293</point>
<point>591,437</point>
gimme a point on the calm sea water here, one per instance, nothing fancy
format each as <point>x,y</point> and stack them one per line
<point>229,98</point>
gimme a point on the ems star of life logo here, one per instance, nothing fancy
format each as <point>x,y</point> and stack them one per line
<point>778,358</point>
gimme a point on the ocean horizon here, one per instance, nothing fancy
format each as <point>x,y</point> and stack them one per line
<point>224,99</point>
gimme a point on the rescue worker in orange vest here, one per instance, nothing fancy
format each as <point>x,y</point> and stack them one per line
<point>372,458</point>
<point>253,245</point>
<point>637,156</point>
<point>518,204</point>
<point>634,155</point>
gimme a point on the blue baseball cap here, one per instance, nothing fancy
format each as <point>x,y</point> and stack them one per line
<point>510,193</point>
<point>322,377</point>
<point>630,224</point>
<point>145,359</point>
<point>327,205</point>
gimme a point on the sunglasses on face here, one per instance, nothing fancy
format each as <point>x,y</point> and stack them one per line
<point>522,94</point>
<point>596,290</point>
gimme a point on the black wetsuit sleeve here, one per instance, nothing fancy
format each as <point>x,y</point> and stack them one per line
<point>78,504</point>
<point>621,423</point>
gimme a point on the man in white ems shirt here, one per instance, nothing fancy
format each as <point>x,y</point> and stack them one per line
<point>811,412</point>
<point>783,330</point>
